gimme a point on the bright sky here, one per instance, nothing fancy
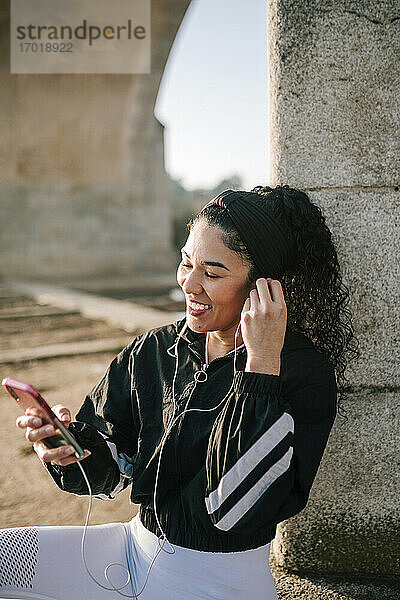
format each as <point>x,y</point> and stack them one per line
<point>213,96</point>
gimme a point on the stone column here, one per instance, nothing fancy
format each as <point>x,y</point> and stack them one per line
<point>335,114</point>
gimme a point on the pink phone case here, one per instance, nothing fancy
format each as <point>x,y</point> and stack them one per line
<point>27,396</point>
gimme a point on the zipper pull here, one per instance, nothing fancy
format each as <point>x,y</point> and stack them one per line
<point>201,376</point>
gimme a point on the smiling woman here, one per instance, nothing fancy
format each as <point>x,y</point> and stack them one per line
<point>214,296</point>
<point>277,233</point>
<point>258,265</point>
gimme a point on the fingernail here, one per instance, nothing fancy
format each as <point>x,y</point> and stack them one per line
<point>49,429</point>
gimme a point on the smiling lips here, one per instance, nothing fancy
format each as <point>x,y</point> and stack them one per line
<point>196,308</point>
<point>199,305</point>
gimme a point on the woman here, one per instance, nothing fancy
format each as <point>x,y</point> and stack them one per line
<point>218,420</point>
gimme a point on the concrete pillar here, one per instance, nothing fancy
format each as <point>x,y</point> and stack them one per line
<point>335,113</point>
<point>84,192</point>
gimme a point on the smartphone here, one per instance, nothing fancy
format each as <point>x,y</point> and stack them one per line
<point>27,396</point>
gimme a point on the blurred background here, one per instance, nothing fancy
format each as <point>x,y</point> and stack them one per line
<point>100,174</point>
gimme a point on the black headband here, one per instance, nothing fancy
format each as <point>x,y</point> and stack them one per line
<point>263,237</point>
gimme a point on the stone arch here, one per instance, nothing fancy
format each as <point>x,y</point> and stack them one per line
<point>83,184</point>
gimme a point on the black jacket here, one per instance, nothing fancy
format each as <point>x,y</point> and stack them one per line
<point>228,476</point>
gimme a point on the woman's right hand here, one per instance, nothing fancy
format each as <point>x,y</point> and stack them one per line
<point>32,421</point>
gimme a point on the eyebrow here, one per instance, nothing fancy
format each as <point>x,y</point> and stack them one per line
<point>212,263</point>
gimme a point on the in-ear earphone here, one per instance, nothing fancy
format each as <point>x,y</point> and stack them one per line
<point>200,377</point>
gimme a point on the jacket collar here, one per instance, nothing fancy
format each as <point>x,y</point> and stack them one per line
<point>196,341</point>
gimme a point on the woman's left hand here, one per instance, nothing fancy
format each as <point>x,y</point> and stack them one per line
<point>263,323</point>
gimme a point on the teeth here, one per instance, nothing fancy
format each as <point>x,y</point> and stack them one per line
<point>198,306</point>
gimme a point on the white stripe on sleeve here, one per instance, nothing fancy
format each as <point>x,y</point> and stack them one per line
<point>249,461</point>
<point>125,466</point>
<point>249,499</point>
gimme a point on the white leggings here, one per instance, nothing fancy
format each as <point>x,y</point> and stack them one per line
<point>45,563</point>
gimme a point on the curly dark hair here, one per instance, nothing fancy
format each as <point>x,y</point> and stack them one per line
<point>315,295</point>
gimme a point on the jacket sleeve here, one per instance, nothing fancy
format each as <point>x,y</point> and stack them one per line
<point>264,451</point>
<point>107,425</point>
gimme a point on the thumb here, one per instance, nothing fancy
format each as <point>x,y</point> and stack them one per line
<point>63,413</point>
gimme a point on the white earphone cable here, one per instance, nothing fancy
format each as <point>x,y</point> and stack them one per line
<point>173,420</point>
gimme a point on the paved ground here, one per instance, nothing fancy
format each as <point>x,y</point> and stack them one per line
<point>64,354</point>
<point>27,493</point>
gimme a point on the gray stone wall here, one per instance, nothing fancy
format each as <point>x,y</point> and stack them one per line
<point>334,90</point>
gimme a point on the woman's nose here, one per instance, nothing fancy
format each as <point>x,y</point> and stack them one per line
<point>191,284</point>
